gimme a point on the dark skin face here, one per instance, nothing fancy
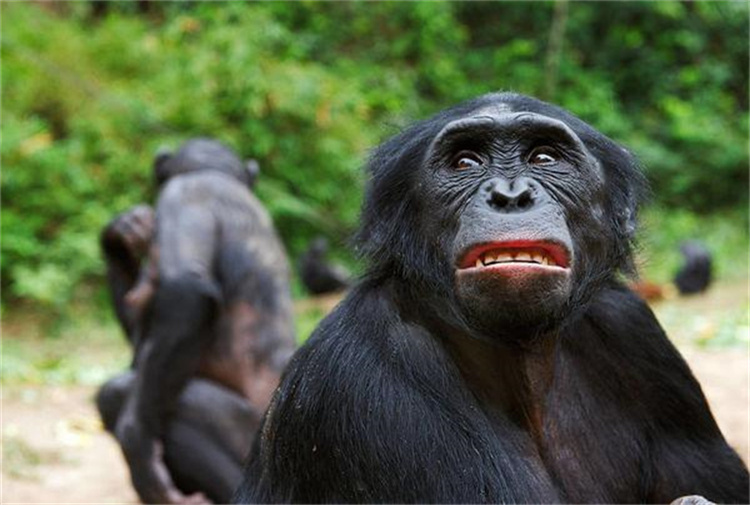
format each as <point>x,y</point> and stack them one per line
<point>513,182</point>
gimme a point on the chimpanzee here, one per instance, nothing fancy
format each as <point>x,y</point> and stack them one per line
<point>491,354</point>
<point>695,274</point>
<point>126,242</point>
<point>318,276</point>
<point>201,289</point>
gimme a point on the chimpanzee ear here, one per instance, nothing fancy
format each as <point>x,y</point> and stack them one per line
<point>631,188</point>
<point>161,174</point>
<point>252,169</point>
<point>629,217</point>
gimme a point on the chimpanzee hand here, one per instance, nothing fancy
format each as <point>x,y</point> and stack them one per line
<point>131,232</point>
<point>692,499</point>
<point>150,475</point>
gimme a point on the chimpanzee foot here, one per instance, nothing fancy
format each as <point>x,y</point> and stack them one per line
<point>149,473</point>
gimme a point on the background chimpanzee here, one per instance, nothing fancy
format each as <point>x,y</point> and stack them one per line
<point>695,274</point>
<point>318,275</point>
<point>202,291</point>
<point>126,242</point>
<point>491,355</point>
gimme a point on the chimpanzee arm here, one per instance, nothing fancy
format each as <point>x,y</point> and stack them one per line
<point>703,465</point>
<point>687,452</point>
<point>125,242</point>
<point>176,332</point>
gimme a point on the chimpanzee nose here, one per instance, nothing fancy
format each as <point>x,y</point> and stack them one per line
<point>505,195</point>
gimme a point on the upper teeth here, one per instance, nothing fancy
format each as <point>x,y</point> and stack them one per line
<point>523,256</point>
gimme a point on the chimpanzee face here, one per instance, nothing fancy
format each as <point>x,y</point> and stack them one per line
<point>515,208</point>
<point>514,178</point>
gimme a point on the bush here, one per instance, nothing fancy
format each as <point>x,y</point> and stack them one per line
<point>307,88</point>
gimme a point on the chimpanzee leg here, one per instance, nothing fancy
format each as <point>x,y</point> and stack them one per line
<point>111,396</point>
<point>198,464</point>
<point>207,437</point>
<point>219,414</point>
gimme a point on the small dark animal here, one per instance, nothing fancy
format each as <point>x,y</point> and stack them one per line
<point>201,289</point>
<point>318,276</point>
<point>695,274</point>
<point>491,355</point>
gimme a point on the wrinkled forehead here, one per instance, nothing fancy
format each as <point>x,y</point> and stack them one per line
<point>500,119</point>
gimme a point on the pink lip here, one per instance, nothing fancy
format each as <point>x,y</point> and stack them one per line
<point>554,250</point>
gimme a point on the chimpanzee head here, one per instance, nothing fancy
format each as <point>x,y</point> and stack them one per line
<point>506,212</point>
<point>204,154</point>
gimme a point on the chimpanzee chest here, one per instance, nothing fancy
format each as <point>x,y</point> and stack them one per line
<point>594,454</point>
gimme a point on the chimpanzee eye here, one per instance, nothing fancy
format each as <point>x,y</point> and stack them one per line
<point>543,156</point>
<point>467,159</point>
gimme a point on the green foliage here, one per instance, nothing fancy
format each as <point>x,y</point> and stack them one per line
<point>308,87</point>
<point>83,350</point>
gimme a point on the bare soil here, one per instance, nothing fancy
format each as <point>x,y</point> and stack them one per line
<point>55,451</point>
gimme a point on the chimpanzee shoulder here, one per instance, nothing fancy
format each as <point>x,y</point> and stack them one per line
<point>617,361</point>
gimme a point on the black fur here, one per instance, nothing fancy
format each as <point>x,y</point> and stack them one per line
<point>318,275</point>
<point>695,274</point>
<point>195,154</point>
<point>405,393</point>
<point>201,287</point>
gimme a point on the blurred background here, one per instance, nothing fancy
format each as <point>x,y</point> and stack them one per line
<point>91,90</point>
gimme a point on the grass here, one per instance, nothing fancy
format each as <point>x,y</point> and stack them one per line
<point>85,349</point>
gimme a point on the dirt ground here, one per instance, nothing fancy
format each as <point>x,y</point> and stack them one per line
<point>58,451</point>
<point>54,449</point>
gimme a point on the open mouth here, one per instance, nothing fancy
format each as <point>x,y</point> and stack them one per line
<point>524,253</point>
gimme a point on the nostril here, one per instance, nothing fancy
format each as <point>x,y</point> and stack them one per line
<point>502,201</point>
<point>511,196</point>
<point>525,200</point>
